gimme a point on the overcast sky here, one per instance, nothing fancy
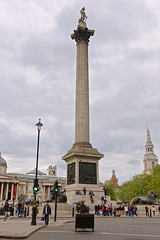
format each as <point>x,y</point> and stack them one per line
<point>37,80</point>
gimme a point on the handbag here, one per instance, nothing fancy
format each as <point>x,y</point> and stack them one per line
<point>42,218</point>
<point>7,215</point>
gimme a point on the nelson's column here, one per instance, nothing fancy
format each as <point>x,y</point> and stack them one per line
<point>82,159</point>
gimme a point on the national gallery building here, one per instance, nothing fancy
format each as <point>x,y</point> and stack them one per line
<point>14,184</point>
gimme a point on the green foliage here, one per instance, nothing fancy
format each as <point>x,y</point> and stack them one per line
<point>110,189</point>
<point>140,185</point>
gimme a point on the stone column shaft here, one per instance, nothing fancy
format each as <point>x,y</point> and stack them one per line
<point>2,191</point>
<point>82,36</point>
<point>12,191</point>
<point>7,190</point>
<point>43,193</point>
<point>82,94</point>
<point>24,187</point>
<point>17,192</point>
<point>48,192</point>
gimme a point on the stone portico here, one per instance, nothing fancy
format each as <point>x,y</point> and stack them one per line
<point>14,184</point>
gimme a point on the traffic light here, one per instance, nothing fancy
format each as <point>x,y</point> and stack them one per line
<point>36,185</point>
<point>56,186</point>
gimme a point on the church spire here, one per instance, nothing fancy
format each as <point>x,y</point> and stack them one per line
<point>148,142</point>
<point>150,158</point>
<point>149,146</point>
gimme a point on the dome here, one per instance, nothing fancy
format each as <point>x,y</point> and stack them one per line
<point>3,162</point>
<point>33,172</point>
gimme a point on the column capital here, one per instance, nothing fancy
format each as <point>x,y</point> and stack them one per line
<point>82,34</point>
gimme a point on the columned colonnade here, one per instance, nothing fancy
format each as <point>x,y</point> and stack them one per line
<point>6,190</point>
<point>26,188</point>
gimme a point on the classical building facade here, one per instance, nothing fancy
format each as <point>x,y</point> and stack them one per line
<point>14,184</point>
<point>150,159</point>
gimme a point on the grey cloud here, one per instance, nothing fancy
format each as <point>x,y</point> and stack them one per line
<point>134,162</point>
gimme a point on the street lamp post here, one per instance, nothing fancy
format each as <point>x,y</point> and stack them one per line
<point>36,186</point>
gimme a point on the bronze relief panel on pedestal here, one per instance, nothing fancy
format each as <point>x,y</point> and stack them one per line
<point>87,173</point>
<point>71,173</point>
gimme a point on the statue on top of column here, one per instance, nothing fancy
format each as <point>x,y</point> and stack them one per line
<point>83,15</point>
<point>82,33</point>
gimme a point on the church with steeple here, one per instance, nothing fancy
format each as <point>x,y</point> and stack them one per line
<point>150,159</point>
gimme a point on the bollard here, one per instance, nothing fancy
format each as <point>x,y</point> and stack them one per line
<point>114,213</point>
<point>28,211</point>
<point>73,212</point>
<point>150,213</point>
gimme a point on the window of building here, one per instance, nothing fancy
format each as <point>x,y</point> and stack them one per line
<point>148,149</point>
<point>152,164</point>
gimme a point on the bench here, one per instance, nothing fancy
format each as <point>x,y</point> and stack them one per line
<point>84,220</point>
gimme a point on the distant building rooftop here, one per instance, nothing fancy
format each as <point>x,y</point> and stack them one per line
<point>33,172</point>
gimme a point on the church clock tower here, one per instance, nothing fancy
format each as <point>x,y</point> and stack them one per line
<point>150,159</point>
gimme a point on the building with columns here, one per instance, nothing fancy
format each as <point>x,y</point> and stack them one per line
<point>14,184</point>
<point>150,159</point>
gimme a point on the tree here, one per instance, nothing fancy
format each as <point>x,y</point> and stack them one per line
<point>156,180</point>
<point>140,185</point>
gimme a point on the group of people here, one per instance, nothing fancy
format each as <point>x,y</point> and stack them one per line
<point>103,210</point>
<point>130,210</point>
<point>21,211</point>
<point>79,192</point>
<point>91,194</point>
<point>152,211</point>
<point>104,199</point>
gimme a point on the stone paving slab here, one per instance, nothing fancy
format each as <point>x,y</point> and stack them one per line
<point>17,228</point>
<point>22,228</point>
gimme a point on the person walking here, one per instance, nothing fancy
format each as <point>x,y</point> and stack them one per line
<point>126,209</point>
<point>147,212</point>
<point>102,199</point>
<point>135,211</point>
<point>6,209</point>
<point>130,210</point>
<point>46,212</point>
<point>20,209</point>
<point>153,210</point>
<point>91,198</point>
